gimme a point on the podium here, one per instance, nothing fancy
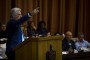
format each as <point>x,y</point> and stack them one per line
<point>40,48</point>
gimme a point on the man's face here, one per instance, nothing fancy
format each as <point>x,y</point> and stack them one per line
<point>80,38</point>
<point>69,36</point>
<point>19,15</point>
<point>3,27</point>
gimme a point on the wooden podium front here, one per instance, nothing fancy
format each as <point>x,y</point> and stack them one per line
<point>37,48</point>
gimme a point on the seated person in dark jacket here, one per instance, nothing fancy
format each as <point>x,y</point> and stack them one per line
<point>67,43</point>
<point>41,29</point>
<point>3,41</point>
<point>31,29</point>
<point>3,35</point>
<point>3,31</point>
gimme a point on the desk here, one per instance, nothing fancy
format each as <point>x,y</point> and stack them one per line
<point>76,56</point>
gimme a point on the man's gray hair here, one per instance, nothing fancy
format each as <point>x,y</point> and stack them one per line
<point>14,11</point>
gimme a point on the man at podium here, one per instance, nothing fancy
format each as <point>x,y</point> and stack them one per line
<point>13,30</point>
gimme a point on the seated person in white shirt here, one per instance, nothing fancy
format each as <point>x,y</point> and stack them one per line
<point>82,44</point>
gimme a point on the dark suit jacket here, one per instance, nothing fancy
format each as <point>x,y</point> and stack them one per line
<point>3,34</point>
<point>31,31</point>
<point>66,45</point>
<point>42,31</point>
<point>14,32</point>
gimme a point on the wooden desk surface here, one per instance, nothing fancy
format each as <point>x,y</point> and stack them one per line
<point>76,56</point>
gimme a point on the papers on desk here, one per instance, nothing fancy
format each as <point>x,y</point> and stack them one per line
<point>75,51</point>
<point>65,52</point>
<point>3,39</point>
<point>85,49</point>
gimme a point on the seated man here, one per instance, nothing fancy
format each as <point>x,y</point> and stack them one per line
<point>67,43</point>
<point>3,31</point>
<point>82,44</point>
<point>3,40</point>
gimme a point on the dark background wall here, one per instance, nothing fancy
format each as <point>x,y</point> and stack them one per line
<point>59,15</point>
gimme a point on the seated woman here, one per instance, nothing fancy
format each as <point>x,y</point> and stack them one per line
<point>41,29</point>
<point>31,29</point>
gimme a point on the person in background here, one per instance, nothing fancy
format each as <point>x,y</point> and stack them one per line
<point>57,34</point>
<point>31,29</point>
<point>41,29</point>
<point>3,41</point>
<point>14,32</point>
<point>67,43</point>
<point>0,26</point>
<point>3,31</point>
<point>82,44</point>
